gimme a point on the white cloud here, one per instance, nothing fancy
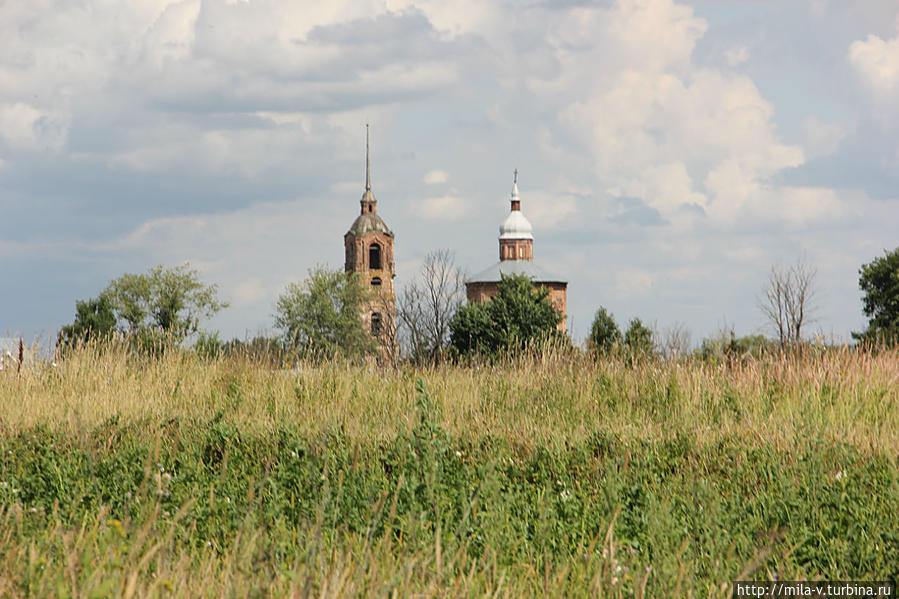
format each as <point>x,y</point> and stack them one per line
<point>460,16</point>
<point>821,139</point>
<point>435,177</point>
<point>171,37</point>
<point>448,207</point>
<point>657,126</point>
<point>745,252</point>
<point>547,209</point>
<point>24,127</point>
<point>666,187</point>
<point>877,62</point>
<point>737,56</point>
<point>630,283</point>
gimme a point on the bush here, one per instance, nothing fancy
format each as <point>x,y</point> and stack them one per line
<point>605,336</point>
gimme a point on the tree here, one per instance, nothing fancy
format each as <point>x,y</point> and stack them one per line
<point>427,306</point>
<point>787,301</point>
<point>167,301</point>
<point>94,319</point>
<point>321,317</point>
<point>517,315</point>
<point>638,342</point>
<point>879,282</point>
<point>604,334</point>
<point>674,341</point>
<point>725,345</point>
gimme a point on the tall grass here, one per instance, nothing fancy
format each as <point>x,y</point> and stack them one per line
<point>549,473</point>
<point>839,395</point>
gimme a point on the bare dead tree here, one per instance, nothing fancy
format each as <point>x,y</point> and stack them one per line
<point>787,301</point>
<point>427,306</point>
<point>386,335</point>
<point>675,341</point>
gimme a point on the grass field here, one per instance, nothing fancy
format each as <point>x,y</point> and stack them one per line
<point>552,475</point>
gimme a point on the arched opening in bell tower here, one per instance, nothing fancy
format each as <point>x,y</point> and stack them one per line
<point>374,257</point>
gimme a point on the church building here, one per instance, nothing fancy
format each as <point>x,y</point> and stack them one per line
<point>516,257</point>
<point>369,251</point>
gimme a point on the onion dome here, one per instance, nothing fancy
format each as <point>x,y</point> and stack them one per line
<point>516,226</point>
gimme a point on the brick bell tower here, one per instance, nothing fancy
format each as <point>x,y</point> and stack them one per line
<point>369,251</point>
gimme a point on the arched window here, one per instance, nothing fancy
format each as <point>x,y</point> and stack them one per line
<point>374,257</point>
<point>376,323</point>
<point>376,281</point>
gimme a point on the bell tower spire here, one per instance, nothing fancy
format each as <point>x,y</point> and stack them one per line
<point>368,201</point>
<point>367,162</point>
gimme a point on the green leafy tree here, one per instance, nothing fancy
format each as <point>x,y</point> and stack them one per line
<point>879,282</point>
<point>321,317</point>
<point>604,334</point>
<point>638,342</point>
<point>167,302</point>
<point>517,315</point>
<point>94,319</point>
<point>726,345</point>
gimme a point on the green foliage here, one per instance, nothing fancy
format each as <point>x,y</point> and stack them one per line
<point>727,345</point>
<point>568,478</point>
<point>163,304</point>
<point>94,320</point>
<point>321,317</point>
<point>673,506</point>
<point>519,314</point>
<point>638,342</point>
<point>879,282</point>
<point>605,335</point>
<point>209,345</point>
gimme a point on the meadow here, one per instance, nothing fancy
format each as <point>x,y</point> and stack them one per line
<point>550,475</point>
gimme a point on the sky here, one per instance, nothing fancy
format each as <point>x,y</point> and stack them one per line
<point>669,152</point>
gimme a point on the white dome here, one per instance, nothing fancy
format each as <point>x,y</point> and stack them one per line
<point>516,226</point>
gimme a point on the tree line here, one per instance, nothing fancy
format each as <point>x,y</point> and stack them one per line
<point>320,317</point>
